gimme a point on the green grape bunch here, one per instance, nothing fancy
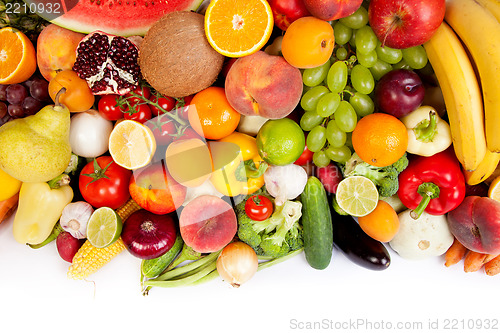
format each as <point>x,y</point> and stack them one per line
<point>340,92</point>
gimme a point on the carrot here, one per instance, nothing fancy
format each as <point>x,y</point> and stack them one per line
<point>8,206</point>
<point>474,261</point>
<point>455,253</point>
<point>492,267</point>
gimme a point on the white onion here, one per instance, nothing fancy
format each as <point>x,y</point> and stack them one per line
<point>89,133</point>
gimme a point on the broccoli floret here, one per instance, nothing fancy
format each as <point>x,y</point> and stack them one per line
<point>385,178</point>
<point>271,249</point>
<point>275,236</point>
<point>295,239</point>
<point>246,232</point>
<point>401,164</point>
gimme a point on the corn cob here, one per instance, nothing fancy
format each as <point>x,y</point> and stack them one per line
<point>90,259</point>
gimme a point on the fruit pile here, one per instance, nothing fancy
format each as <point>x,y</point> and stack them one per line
<point>251,132</point>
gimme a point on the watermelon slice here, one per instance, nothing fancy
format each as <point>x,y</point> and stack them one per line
<point>117,17</point>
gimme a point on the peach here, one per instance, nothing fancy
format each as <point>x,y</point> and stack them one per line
<point>207,224</point>
<point>263,85</point>
<point>56,50</point>
<point>475,223</point>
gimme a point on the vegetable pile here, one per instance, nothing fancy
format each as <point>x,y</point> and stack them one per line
<point>318,136</point>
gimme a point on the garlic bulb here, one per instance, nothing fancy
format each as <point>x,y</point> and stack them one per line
<point>75,217</point>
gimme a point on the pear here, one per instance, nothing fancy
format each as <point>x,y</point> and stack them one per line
<point>36,148</point>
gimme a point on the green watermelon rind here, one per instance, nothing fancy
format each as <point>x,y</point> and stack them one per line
<point>124,20</point>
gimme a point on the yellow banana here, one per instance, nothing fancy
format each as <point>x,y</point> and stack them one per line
<point>484,169</point>
<point>493,6</point>
<point>461,94</point>
<point>479,30</point>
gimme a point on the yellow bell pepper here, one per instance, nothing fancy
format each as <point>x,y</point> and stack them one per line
<point>40,207</point>
<point>238,167</point>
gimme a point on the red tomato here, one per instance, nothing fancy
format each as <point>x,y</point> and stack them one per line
<point>104,183</point>
<point>142,113</point>
<point>163,128</point>
<point>142,91</point>
<point>165,102</point>
<point>258,207</point>
<point>305,158</point>
<point>187,133</point>
<point>183,111</point>
<point>108,108</point>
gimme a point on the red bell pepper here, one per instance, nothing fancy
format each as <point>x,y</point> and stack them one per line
<point>435,184</point>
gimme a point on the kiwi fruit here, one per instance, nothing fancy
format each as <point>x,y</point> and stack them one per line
<point>175,57</point>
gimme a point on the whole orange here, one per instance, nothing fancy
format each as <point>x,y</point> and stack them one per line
<point>382,223</point>
<point>211,115</point>
<point>380,139</point>
<point>308,42</point>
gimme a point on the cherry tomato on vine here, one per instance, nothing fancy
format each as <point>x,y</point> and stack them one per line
<point>163,129</point>
<point>165,102</point>
<point>183,111</point>
<point>140,113</point>
<point>258,207</point>
<point>142,91</point>
<point>187,133</point>
<point>104,183</point>
<point>108,108</point>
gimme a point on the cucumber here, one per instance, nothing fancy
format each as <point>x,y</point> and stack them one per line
<point>356,245</point>
<point>151,268</point>
<point>316,224</point>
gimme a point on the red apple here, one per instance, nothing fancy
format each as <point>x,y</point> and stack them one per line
<point>405,23</point>
<point>155,190</point>
<point>330,10</point>
<point>287,11</point>
<point>475,223</point>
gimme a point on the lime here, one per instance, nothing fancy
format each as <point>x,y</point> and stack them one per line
<point>357,195</point>
<point>104,227</point>
<point>280,141</point>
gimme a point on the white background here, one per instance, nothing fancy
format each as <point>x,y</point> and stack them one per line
<point>35,295</point>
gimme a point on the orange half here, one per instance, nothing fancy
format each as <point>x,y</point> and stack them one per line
<point>237,28</point>
<point>17,56</point>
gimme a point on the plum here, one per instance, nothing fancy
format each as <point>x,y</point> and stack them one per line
<point>399,92</point>
<point>207,224</point>
<point>476,224</point>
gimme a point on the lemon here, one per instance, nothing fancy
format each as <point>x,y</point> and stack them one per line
<point>357,195</point>
<point>132,144</point>
<point>104,227</point>
<point>280,141</point>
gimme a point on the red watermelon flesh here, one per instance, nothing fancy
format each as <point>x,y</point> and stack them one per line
<point>117,17</point>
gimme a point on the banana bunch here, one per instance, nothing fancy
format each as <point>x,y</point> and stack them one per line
<point>465,55</point>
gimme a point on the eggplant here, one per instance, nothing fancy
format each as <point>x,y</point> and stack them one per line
<point>356,245</point>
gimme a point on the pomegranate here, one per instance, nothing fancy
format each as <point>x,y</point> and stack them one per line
<point>108,63</point>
